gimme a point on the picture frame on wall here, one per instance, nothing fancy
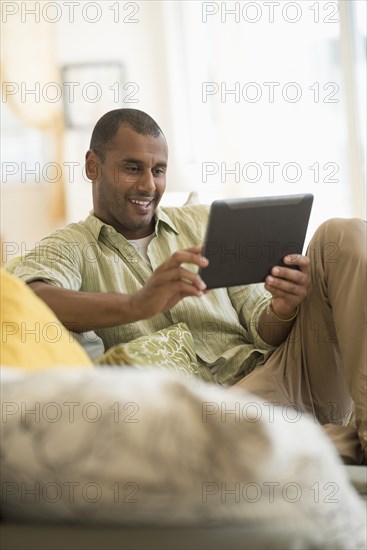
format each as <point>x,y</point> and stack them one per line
<point>90,89</point>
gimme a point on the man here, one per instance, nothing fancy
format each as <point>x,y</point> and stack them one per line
<point>131,269</point>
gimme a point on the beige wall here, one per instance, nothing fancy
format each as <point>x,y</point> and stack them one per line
<point>24,217</point>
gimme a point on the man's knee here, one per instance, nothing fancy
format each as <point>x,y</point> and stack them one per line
<point>336,227</point>
<point>338,236</point>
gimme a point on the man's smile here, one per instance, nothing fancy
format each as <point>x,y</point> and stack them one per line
<point>142,204</point>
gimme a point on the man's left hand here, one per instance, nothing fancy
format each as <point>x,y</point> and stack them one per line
<point>289,286</point>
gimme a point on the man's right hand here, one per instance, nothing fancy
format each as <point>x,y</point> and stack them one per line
<point>170,283</point>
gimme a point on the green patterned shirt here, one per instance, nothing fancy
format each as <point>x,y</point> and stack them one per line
<point>91,256</point>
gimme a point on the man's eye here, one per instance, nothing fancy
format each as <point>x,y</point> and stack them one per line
<point>131,168</point>
<point>159,171</point>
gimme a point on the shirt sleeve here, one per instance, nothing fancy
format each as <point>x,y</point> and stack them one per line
<point>55,260</point>
<point>250,301</point>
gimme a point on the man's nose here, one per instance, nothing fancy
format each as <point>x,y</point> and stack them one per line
<point>146,182</point>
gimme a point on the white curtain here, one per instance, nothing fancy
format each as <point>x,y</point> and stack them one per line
<point>267,108</point>
<point>28,62</point>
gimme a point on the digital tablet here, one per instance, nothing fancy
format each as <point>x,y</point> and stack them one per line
<point>245,238</point>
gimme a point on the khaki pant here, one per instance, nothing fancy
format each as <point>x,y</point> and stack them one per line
<point>321,367</point>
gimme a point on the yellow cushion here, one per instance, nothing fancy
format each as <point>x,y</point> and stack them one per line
<point>32,337</point>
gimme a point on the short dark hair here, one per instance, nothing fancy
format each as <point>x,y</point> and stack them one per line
<point>108,125</point>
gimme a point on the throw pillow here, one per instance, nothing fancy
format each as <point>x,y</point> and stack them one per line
<point>171,348</point>
<point>32,337</point>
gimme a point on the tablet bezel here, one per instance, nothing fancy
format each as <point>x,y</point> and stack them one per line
<point>275,225</point>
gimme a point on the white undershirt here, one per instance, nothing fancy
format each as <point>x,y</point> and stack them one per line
<point>141,246</point>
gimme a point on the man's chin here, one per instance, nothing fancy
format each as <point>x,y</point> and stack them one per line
<point>138,226</point>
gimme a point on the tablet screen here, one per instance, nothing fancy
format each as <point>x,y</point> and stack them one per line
<point>245,238</point>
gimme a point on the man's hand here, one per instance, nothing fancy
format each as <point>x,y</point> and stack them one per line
<point>170,283</point>
<point>289,286</point>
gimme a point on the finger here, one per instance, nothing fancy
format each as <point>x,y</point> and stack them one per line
<point>300,275</point>
<point>187,257</point>
<point>197,249</point>
<point>275,284</point>
<point>187,289</point>
<point>181,290</point>
<point>303,262</point>
<point>289,299</point>
<point>182,274</point>
<point>293,275</point>
<point>177,274</point>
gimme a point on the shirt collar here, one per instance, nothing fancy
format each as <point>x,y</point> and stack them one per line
<point>161,216</point>
<point>95,225</point>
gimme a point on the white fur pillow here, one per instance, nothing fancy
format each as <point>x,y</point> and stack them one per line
<point>146,446</point>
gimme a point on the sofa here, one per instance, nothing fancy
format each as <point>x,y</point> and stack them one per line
<point>143,456</point>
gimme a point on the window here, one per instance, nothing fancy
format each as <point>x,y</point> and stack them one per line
<point>261,99</point>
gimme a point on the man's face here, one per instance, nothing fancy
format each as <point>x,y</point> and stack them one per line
<point>129,184</point>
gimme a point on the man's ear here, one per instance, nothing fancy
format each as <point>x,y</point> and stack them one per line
<point>91,165</point>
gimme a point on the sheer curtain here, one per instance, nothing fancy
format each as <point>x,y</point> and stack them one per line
<point>30,89</point>
<point>264,100</point>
